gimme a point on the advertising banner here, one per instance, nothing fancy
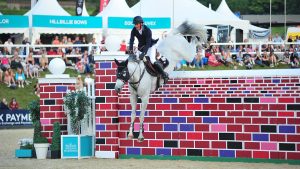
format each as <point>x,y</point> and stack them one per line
<point>66,21</point>
<point>126,23</point>
<point>223,34</point>
<point>13,21</point>
<point>79,7</point>
<point>15,118</point>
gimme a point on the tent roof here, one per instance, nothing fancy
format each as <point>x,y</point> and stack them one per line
<point>115,8</point>
<point>47,7</point>
<point>183,10</point>
<point>0,13</point>
<point>224,10</point>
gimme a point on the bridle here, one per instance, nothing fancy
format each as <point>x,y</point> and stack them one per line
<point>124,76</point>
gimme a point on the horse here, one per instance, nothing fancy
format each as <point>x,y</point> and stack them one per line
<point>141,84</point>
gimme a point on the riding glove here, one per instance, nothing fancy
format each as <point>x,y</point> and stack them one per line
<point>142,55</point>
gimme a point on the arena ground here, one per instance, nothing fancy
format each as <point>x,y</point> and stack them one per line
<point>9,142</point>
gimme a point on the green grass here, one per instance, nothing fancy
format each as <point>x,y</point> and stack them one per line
<point>222,67</point>
<point>279,30</point>
<point>26,95</point>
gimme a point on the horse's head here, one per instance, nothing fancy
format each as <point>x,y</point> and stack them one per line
<point>122,75</point>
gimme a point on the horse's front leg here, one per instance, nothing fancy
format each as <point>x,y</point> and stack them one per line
<point>133,101</point>
<point>145,100</point>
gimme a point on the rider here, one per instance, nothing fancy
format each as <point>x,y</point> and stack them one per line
<point>146,44</point>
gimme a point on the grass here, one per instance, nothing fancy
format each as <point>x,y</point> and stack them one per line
<point>222,67</point>
<point>279,30</point>
<point>26,95</point>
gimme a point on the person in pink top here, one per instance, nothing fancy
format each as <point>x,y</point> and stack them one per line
<point>5,62</point>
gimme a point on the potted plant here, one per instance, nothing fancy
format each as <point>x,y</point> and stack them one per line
<point>55,146</point>
<point>77,106</point>
<point>26,146</point>
<point>41,144</point>
<point>34,109</point>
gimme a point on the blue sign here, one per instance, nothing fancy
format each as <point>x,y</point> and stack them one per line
<point>70,146</point>
<point>126,23</point>
<point>13,21</point>
<point>66,21</point>
<point>76,146</point>
<point>15,117</point>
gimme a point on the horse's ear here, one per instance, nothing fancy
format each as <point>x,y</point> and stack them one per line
<point>117,62</point>
<point>126,62</point>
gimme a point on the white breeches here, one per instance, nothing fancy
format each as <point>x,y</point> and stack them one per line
<point>151,53</point>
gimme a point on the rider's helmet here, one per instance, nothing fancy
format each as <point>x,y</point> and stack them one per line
<point>137,20</point>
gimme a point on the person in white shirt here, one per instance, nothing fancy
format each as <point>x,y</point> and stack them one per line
<point>8,44</point>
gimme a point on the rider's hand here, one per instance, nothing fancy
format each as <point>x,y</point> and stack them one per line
<point>142,55</point>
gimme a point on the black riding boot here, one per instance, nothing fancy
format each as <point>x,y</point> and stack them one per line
<point>160,69</point>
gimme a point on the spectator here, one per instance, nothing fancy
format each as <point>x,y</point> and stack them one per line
<point>265,59</point>
<point>69,49</point>
<point>44,61</point>
<point>88,80</point>
<point>15,61</point>
<point>29,65</point>
<point>273,59</point>
<point>123,46</point>
<point>37,50</point>
<point>9,78</point>
<point>4,104</point>
<point>86,62</point>
<point>56,42</point>
<point>5,63</point>
<point>258,59</point>
<point>77,42</point>
<point>294,59</point>
<point>286,57</point>
<point>79,65</point>
<point>25,42</point>
<point>37,90</point>
<point>84,41</point>
<point>79,83</point>
<point>8,45</point>
<point>95,49</point>
<point>64,42</point>
<point>51,52</point>
<point>13,105</point>
<point>1,75</point>
<point>20,77</point>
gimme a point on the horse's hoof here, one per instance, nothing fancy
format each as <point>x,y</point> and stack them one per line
<point>130,136</point>
<point>141,139</point>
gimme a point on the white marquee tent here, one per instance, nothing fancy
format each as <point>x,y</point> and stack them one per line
<point>84,12</point>
<point>116,8</point>
<point>53,8</point>
<point>180,11</point>
<point>224,10</point>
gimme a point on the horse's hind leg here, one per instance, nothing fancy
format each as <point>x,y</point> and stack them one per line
<point>133,101</point>
<point>144,103</point>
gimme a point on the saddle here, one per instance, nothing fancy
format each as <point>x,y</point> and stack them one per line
<point>150,68</point>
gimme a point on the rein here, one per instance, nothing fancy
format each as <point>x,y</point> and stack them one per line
<point>132,84</point>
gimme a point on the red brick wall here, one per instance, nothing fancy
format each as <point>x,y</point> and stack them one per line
<point>51,106</point>
<point>222,117</point>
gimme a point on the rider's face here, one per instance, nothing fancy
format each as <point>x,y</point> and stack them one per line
<point>138,26</point>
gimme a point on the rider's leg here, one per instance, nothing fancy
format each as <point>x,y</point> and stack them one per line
<point>152,54</point>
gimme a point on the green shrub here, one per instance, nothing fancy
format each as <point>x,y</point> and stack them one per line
<point>55,146</point>
<point>34,109</point>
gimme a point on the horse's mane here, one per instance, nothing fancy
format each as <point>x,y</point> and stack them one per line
<point>175,47</point>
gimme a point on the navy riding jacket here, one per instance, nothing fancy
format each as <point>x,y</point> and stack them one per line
<point>145,39</point>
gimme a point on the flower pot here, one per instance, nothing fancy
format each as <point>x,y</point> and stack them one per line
<point>23,153</point>
<point>55,154</point>
<point>41,150</point>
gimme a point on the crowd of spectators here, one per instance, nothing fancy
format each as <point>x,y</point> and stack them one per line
<point>247,56</point>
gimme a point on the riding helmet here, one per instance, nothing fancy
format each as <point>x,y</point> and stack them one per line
<point>137,20</point>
